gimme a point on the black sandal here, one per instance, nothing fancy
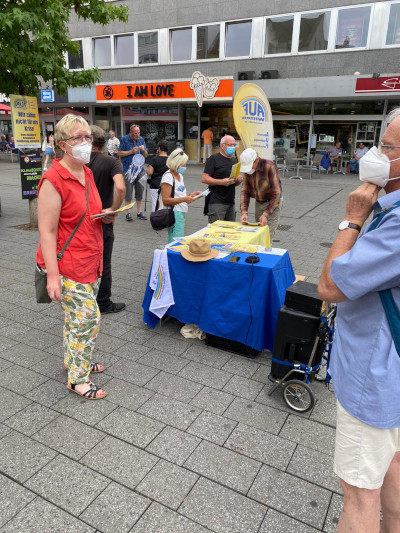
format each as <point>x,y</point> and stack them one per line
<point>90,394</point>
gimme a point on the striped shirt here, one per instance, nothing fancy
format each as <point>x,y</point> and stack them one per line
<point>263,185</point>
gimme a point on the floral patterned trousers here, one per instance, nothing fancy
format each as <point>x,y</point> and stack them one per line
<point>81,326</point>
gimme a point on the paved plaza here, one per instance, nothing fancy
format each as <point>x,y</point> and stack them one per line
<point>187,440</point>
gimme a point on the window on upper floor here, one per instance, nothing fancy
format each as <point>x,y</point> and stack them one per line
<point>181,44</point>
<point>102,51</point>
<point>76,61</point>
<point>278,35</point>
<point>314,31</point>
<point>208,41</point>
<point>148,47</point>
<point>393,31</point>
<point>352,27</point>
<point>238,38</point>
<point>123,51</point>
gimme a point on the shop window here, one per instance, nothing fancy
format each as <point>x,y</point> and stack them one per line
<point>181,44</point>
<point>75,61</point>
<point>314,30</point>
<point>238,39</point>
<point>361,107</point>
<point>393,32</point>
<point>291,108</point>
<point>208,42</point>
<point>278,38</point>
<point>123,54</point>
<point>148,47</point>
<point>352,28</point>
<point>102,52</point>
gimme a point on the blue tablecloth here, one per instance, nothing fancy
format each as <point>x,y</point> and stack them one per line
<point>237,301</point>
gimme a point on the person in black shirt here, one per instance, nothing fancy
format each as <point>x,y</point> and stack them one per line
<point>155,171</point>
<point>220,202</point>
<point>109,178</point>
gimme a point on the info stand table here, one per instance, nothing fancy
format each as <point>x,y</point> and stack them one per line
<point>236,301</point>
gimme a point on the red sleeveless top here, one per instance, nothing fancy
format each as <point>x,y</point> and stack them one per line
<point>83,259</point>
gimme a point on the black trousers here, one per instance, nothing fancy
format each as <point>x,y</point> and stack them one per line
<point>104,294</point>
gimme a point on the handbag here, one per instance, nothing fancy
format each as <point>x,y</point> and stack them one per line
<point>42,296</point>
<point>165,217</point>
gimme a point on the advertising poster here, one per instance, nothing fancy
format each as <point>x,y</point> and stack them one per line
<point>31,171</point>
<point>253,119</point>
<point>25,117</point>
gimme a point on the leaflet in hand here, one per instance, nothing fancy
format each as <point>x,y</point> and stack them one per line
<point>235,171</point>
<point>102,215</point>
<point>204,193</point>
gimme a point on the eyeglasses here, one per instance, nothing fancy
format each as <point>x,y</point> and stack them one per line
<point>387,146</point>
<point>83,138</point>
<point>232,145</point>
<point>179,153</point>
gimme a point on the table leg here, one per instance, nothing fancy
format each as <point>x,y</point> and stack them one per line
<point>297,176</point>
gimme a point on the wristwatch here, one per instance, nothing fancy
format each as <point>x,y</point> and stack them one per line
<point>346,224</point>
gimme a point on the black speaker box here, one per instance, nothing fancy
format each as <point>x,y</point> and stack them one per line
<point>303,296</point>
<point>294,341</point>
<point>230,346</point>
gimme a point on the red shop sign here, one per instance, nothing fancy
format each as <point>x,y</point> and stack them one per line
<point>380,85</point>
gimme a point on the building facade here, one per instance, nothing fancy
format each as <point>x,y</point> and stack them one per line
<point>329,71</point>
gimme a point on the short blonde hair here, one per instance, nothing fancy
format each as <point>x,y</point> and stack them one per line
<point>67,124</point>
<point>177,159</point>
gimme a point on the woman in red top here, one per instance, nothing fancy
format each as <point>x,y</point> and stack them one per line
<point>74,280</point>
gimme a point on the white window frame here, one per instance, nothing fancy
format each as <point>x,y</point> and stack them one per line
<point>192,53</point>
<point>386,26</point>
<point>195,42</point>
<point>235,58</point>
<point>156,63</point>
<point>82,40</point>
<point>281,54</point>
<point>111,37</point>
<point>114,44</point>
<point>345,8</point>
<point>307,52</point>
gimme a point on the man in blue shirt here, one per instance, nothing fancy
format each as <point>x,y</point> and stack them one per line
<point>365,366</point>
<point>129,146</point>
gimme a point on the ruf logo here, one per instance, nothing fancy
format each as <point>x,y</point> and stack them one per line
<point>253,108</point>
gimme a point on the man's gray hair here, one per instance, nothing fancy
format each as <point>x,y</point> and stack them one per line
<point>99,136</point>
<point>394,113</point>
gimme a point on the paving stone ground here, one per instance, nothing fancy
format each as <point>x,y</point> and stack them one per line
<point>187,440</point>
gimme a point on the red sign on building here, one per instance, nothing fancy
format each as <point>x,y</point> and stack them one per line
<point>379,85</point>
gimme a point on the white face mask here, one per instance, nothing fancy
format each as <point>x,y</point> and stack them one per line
<point>81,152</point>
<point>375,168</point>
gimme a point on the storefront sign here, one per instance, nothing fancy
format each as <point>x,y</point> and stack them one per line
<point>191,90</point>
<point>379,85</point>
<point>47,95</point>
<point>30,165</point>
<point>25,117</point>
<point>253,119</point>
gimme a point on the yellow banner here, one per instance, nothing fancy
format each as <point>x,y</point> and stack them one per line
<point>253,119</point>
<point>25,117</point>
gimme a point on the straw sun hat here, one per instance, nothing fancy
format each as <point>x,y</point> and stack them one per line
<point>199,250</point>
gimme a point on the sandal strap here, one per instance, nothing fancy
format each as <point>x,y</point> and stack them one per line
<point>94,367</point>
<point>92,392</point>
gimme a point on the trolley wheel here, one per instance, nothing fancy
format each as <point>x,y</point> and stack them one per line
<point>298,395</point>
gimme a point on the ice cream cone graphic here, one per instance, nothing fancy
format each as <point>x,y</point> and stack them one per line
<point>197,84</point>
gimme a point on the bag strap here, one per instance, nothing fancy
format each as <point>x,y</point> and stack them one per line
<point>389,305</point>
<point>61,252</point>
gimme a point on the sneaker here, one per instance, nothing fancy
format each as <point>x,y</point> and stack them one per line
<point>128,217</point>
<point>44,170</point>
<point>141,216</point>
